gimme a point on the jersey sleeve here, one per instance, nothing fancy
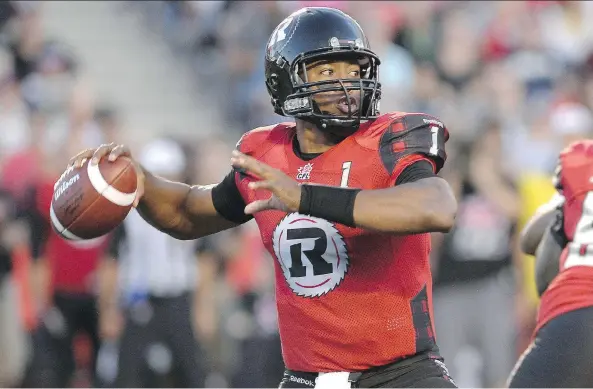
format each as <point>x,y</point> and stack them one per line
<point>226,196</point>
<point>410,138</point>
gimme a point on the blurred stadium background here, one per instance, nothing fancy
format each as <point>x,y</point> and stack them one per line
<point>512,80</point>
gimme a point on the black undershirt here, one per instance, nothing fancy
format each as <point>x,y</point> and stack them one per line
<point>229,203</point>
<point>304,156</point>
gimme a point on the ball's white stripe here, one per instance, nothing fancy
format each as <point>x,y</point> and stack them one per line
<point>56,222</point>
<point>106,190</point>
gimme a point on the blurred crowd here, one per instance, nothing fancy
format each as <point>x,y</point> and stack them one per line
<point>512,80</point>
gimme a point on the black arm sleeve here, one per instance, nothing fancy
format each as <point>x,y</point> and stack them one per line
<point>228,201</point>
<point>416,171</point>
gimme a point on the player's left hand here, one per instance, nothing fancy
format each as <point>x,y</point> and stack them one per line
<point>286,192</point>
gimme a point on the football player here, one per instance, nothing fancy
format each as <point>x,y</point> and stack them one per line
<point>345,199</point>
<point>560,235</point>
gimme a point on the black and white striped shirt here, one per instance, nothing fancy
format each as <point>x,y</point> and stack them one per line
<point>152,262</point>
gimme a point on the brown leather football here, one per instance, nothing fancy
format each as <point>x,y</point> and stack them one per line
<point>91,201</point>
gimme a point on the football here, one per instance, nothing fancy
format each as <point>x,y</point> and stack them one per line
<point>90,201</point>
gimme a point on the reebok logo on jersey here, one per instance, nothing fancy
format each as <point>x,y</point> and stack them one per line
<point>305,172</point>
<point>300,380</point>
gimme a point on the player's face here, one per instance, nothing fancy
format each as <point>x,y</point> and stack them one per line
<point>335,102</point>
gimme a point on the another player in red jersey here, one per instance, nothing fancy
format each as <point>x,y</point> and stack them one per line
<point>561,236</point>
<point>66,274</point>
<point>344,199</point>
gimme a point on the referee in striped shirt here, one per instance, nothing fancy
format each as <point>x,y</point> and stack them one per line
<point>156,284</point>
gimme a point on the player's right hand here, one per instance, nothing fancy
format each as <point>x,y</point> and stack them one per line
<point>112,152</point>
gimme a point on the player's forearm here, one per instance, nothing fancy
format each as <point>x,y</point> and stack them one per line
<point>162,205</point>
<point>426,205</point>
<point>180,210</point>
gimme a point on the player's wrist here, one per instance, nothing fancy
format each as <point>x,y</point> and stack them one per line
<point>329,202</point>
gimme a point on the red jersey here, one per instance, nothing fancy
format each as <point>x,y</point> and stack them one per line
<point>348,299</point>
<point>72,264</point>
<point>572,288</point>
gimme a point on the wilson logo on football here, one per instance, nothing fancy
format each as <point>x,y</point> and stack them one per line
<point>63,187</point>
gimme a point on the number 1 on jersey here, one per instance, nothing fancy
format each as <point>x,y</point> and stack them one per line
<point>345,174</point>
<point>434,148</point>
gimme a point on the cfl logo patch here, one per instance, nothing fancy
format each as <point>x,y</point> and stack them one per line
<point>305,172</point>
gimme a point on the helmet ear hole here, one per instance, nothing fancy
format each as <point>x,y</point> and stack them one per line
<point>276,105</point>
<point>273,83</point>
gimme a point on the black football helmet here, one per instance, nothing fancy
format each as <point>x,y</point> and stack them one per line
<point>308,35</point>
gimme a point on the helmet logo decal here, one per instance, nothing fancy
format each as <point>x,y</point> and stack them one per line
<point>280,33</point>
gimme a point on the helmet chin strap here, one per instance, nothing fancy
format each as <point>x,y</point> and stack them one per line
<point>338,127</point>
<point>336,130</point>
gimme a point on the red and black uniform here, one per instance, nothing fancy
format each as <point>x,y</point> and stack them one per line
<point>563,339</point>
<point>348,299</point>
<point>572,288</point>
<point>72,266</point>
